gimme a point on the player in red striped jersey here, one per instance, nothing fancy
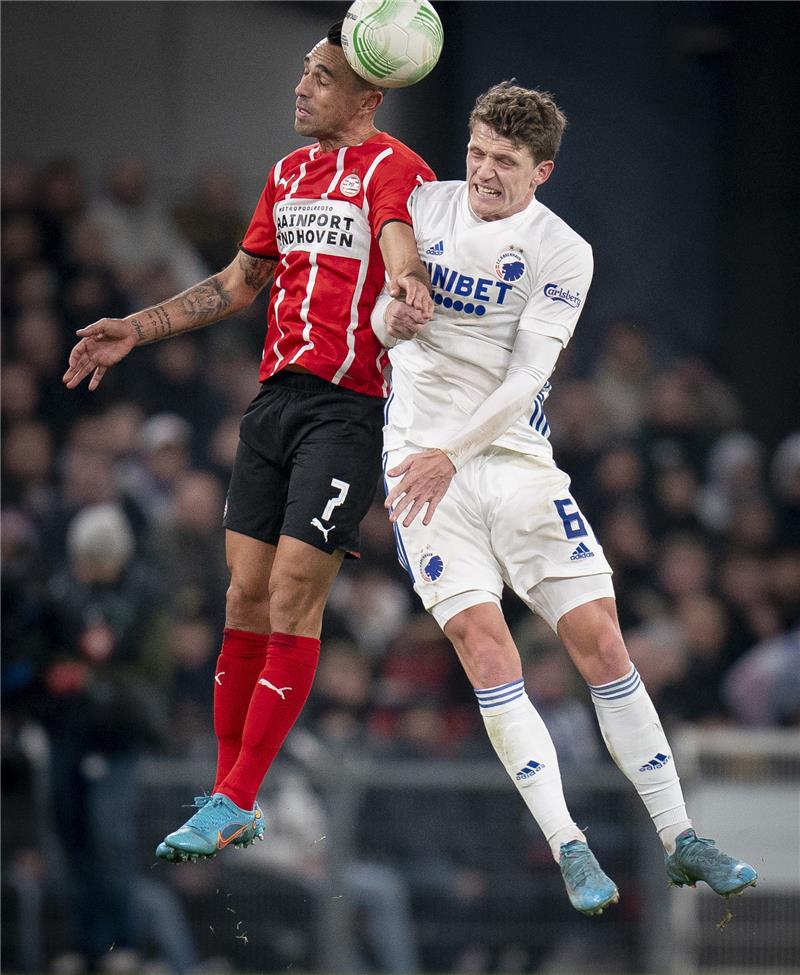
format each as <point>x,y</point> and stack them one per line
<point>331,223</point>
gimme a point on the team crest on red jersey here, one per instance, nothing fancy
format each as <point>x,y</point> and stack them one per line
<point>350,185</point>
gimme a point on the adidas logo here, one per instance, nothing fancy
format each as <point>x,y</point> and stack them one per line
<point>581,552</point>
<point>529,770</point>
<point>436,250</point>
<point>657,761</point>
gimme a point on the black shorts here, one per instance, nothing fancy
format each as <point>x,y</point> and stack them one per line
<point>308,463</point>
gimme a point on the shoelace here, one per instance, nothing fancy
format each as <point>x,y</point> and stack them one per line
<point>198,802</point>
<point>211,816</point>
<point>706,852</point>
<point>578,867</point>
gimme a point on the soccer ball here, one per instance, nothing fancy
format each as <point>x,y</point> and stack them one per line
<point>392,43</point>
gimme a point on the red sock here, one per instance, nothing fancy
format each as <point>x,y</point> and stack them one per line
<point>277,700</point>
<point>238,667</point>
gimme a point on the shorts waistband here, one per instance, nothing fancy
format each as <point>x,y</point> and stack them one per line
<point>307,382</point>
<point>298,380</point>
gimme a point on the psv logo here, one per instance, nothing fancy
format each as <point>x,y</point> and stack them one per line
<point>350,185</point>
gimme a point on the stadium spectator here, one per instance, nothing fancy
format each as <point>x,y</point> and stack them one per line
<point>164,456</point>
<point>339,704</point>
<point>212,218</point>
<point>102,700</point>
<point>734,472</point>
<point>61,201</point>
<point>188,549</point>
<point>673,432</point>
<point>684,566</point>
<point>623,376</point>
<point>140,233</point>
<point>704,627</point>
<point>763,688</point>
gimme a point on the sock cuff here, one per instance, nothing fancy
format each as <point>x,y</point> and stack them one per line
<point>243,643</point>
<point>493,699</point>
<point>616,689</point>
<point>304,649</point>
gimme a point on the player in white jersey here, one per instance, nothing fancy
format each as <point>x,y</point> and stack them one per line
<point>466,450</point>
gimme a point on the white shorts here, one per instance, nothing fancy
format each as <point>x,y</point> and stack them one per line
<point>507,519</point>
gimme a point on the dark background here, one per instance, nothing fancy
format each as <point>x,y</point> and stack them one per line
<point>677,164</point>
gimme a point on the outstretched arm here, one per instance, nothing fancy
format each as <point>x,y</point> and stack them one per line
<point>106,342</point>
<point>426,476</point>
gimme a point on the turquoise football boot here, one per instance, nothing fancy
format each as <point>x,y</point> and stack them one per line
<point>589,889</point>
<point>240,829</point>
<point>698,859</point>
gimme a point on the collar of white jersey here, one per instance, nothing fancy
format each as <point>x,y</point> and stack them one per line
<point>470,217</point>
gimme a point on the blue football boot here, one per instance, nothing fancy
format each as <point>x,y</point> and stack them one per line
<point>193,841</point>
<point>589,889</point>
<point>698,859</point>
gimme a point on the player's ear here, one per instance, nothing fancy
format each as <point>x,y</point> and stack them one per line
<point>371,99</point>
<point>543,172</point>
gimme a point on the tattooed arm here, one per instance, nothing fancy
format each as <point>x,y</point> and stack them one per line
<point>105,342</point>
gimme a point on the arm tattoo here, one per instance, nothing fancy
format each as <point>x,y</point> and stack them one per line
<point>206,302</point>
<point>137,325</point>
<point>256,270</point>
<point>159,318</point>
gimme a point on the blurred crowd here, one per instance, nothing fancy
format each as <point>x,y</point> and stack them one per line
<point>114,574</point>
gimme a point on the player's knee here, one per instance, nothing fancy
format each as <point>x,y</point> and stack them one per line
<point>489,666</point>
<point>610,655</point>
<point>246,605</point>
<point>487,661</point>
<point>466,631</point>
<point>296,603</point>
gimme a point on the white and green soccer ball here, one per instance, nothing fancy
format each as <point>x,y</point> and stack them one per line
<point>392,43</point>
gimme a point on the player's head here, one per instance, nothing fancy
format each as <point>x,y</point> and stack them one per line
<point>515,134</point>
<point>333,102</point>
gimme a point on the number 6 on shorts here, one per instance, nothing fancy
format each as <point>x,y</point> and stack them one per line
<point>574,525</point>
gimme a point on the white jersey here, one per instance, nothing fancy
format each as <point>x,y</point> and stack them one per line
<point>490,278</point>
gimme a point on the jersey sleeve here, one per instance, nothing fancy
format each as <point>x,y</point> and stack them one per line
<point>260,240</point>
<point>559,293</point>
<point>393,182</point>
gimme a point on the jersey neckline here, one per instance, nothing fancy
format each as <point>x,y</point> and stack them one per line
<point>476,221</point>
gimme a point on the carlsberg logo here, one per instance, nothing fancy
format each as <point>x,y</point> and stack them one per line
<point>556,293</point>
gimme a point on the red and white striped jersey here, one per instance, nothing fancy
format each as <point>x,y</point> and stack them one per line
<point>320,215</point>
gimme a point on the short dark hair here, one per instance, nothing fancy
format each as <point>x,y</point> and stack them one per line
<point>526,116</point>
<point>334,35</point>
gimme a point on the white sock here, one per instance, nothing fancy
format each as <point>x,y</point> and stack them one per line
<point>524,746</point>
<point>634,738</point>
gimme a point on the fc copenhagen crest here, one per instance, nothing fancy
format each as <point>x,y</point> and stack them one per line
<point>510,266</point>
<point>431,566</point>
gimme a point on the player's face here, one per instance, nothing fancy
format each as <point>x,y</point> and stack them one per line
<point>501,176</point>
<point>328,94</point>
